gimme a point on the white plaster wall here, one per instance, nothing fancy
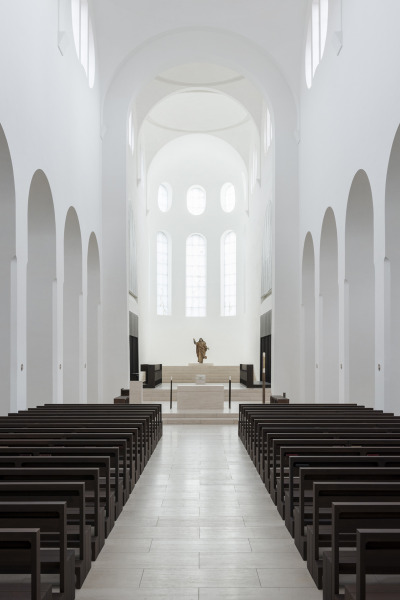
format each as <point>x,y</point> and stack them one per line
<point>158,54</point>
<point>209,162</point>
<point>51,120</point>
<point>348,121</point>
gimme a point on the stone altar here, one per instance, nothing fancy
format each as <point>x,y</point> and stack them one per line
<point>202,397</point>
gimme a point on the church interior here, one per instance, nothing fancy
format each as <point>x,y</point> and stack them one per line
<point>180,173</point>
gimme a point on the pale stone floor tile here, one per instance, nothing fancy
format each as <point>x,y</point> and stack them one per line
<point>144,560</point>
<point>155,532</point>
<point>167,578</point>
<point>138,594</point>
<point>221,522</point>
<point>259,594</point>
<point>100,577</point>
<point>295,578</point>
<point>199,525</point>
<point>245,532</point>
<point>251,560</point>
<point>220,546</point>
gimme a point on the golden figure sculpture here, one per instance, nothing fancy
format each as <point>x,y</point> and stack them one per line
<point>201,349</point>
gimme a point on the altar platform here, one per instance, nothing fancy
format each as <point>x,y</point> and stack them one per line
<point>239,395</point>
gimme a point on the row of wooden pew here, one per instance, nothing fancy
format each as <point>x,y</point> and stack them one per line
<point>66,472</point>
<point>333,472</point>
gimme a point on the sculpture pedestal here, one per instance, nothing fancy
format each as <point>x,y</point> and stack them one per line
<point>204,397</point>
<point>136,392</point>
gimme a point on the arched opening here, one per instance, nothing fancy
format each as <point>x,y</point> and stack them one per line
<point>7,253</point>
<point>392,275</point>
<point>308,322</point>
<point>329,311</point>
<point>72,378</point>
<point>93,310</point>
<point>360,277</point>
<point>41,275</point>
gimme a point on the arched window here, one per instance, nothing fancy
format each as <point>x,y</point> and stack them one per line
<point>316,37</point>
<point>267,130</point>
<point>164,197</point>
<point>131,133</point>
<point>163,275</point>
<point>83,37</point>
<point>196,276</point>
<point>196,200</point>
<point>228,197</point>
<point>228,276</point>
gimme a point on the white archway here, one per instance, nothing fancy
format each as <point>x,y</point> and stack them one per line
<point>72,314</point>
<point>41,275</point>
<point>7,289</point>
<point>329,311</point>
<point>360,279</point>
<point>308,321</point>
<point>160,53</point>
<point>93,319</point>
<point>392,276</point>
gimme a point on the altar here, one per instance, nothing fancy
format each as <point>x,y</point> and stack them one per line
<point>200,397</point>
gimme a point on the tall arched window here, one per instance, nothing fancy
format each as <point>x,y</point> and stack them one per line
<point>164,197</point>
<point>83,37</point>
<point>228,197</point>
<point>316,37</point>
<point>196,276</point>
<point>163,275</point>
<point>228,277</point>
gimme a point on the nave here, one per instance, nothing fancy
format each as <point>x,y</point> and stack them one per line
<point>199,525</point>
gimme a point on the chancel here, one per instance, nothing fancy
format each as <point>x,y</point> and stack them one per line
<point>172,170</point>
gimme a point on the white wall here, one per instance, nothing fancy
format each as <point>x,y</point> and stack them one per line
<point>51,121</point>
<point>349,118</point>
<point>207,161</point>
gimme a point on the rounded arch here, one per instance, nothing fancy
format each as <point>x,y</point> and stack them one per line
<point>308,319</point>
<point>360,295</point>
<point>93,320</point>
<point>392,277</point>
<point>7,272</point>
<point>41,278</point>
<point>329,311</point>
<point>72,313</point>
<point>208,45</point>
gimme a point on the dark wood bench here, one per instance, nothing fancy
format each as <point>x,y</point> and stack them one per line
<point>50,518</point>
<point>280,480</point>
<point>346,519</point>
<point>95,514</point>
<point>378,552</point>
<point>360,471</point>
<point>22,546</point>
<point>73,493</point>
<point>319,534</point>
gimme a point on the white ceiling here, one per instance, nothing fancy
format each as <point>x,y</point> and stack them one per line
<point>278,27</point>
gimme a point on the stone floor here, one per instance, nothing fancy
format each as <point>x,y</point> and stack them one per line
<point>199,525</point>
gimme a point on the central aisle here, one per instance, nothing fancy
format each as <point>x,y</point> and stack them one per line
<point>199,525</point>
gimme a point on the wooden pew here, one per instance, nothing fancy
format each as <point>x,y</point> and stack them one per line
<point>73,493</point>
<point>378,551</point>
<point>346,519</point>
<point>280,480</point>
<point>101,463</point>
<point>49,517</point>
<point>319,534</point>
<point>113,482</point>
<point>341,473</point>
<point>73,436</point>
<point>95,514</point>
<point>335,439</point>
<point>22,546</point>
